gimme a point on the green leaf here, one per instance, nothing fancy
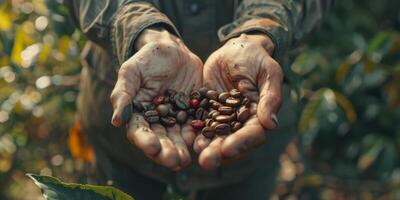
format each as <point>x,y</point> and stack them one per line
<point>380,45</point>
<point>373,145</point>
<point>54,189</point>
<point>308,116</point>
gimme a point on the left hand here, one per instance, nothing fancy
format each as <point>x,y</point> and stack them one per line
<point>244,63</point>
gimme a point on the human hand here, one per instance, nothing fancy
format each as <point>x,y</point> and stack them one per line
<point>162,62</point>
<point>243,63</point>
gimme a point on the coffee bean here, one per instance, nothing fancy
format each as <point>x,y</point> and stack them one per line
<point>246,102</point>
<point>191,112</point>
<point>233,116</point>
<point>214,124</point>
<point>194,103</point>
<point>222,129</point>
<point>151,116</point>
<point>215,104</point>
<point>223,96</point>
<point>152,119</point>
<point>172,112</point>
<point>181,117</point>
<point>243,114</point>
<point>235,93</point>
<point>212,94</point>
<point>201,114</point>
<point>215,115</point>
<point>195,95</point>
<point>225,110</point>
<point>168,121</point>
<point>231,101</point>
<point>204,103</point>
<point>223,118</point>
<point>197,124</point>
<point>162,110</point>
<point>150,113</point>
<point>157,100</point>
<point>203,92</point>
<point>208,122</point>
<point>208,132</point>
<point>211,113</point>
<point>181,100</point>
<point>236,126</point>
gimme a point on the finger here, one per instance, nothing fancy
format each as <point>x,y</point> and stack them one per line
<point>211,157</point>
<point>270,94</point>
<point>125,90</point>
<point>168,156</point>
<point>142,136</point>
<point>251,135</point>
<point>188,133</point>
<point>200,143</point>
<point>174,133</point>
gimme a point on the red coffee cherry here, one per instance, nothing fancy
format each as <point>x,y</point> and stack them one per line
<point>194,103</point>
<point>157,100</point>
<point>198,124</point>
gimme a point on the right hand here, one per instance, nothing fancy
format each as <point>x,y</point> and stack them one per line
<point>162,62</point>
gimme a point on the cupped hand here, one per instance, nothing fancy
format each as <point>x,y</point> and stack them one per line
<point>162,62</point>
<point>243,63</point>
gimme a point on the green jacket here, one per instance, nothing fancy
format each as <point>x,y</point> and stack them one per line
<point>112,27</point>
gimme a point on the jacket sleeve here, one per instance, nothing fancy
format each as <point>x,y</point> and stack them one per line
<point>116,23</point>
<point>284,21</point>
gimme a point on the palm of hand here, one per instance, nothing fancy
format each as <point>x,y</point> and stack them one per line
<point>151,71</point>
<point>247,67</point>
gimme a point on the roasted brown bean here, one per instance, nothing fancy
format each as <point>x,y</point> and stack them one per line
<point>225,110</point>
<point>223,96</point>
<point>222,129</point>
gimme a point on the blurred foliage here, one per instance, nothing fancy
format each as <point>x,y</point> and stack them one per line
<point>349,79</point>
<point>39,76</point>
<point>347,75</point>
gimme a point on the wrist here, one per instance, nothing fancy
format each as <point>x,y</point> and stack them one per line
<point>257,38</point>
<point>154,34</point>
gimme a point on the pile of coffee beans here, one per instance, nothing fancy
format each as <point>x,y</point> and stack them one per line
<point>211,112</point>
<point>227,112</point>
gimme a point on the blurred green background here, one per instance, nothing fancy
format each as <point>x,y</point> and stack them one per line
<point>346,77</point>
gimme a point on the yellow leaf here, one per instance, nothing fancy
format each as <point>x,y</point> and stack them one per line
<point>44,54</point>
<point>6,17</point>
<point>346,105</point>
<point>64,44</point>
<point>78,144</point>
<point>21,41</point>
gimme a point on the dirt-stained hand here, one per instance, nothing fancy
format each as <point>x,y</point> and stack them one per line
<point>244,63</point>
<point>162,62</point>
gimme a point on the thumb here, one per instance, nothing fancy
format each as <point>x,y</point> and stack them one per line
<point>270,96</point>
<point>124,92</point>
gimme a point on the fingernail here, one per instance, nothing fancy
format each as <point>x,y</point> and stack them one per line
<point>275,119</point>
<point>115,120</point>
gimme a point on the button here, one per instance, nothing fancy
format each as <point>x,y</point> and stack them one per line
<point>194,8</point>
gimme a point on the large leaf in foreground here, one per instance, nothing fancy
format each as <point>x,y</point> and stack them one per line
<point>54,189</point>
